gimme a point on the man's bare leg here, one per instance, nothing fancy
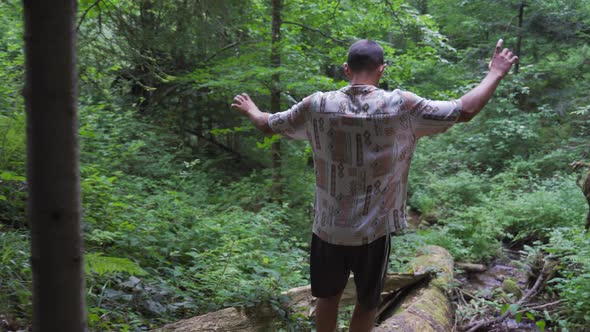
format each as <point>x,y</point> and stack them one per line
<point>326,313</point>
<point>362,319</point>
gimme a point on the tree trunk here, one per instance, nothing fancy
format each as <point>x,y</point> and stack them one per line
<point>519,37</point>
<point>54,207</point>
<point>423,7</point>
<point>264,318</point>
<point>419,305</point>
<point>471,268</point>
<point>586,190</point>
<point>275,96</point>
<point>584,186</point>
<point>426,308</point>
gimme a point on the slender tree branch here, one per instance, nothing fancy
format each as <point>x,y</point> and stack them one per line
<point>95,4</point>
<point>226,47</point>
<point>542,306</point>
<point>316,30</point>
<point>396,16</point>
<point>335,9</point>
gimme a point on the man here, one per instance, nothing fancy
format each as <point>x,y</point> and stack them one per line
<point>363,139</point>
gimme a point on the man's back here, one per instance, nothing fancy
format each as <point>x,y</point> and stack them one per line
<point>363,139</point>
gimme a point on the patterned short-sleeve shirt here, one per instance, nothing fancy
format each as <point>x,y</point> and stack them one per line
<point>363,139</point>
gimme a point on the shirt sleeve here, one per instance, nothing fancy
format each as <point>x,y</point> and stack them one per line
<point>431,117</point>
<point>292,122</point>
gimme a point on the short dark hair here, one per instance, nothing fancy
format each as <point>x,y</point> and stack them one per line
<point>364,55</point>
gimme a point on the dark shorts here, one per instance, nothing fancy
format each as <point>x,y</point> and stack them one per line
<point>331,265</point>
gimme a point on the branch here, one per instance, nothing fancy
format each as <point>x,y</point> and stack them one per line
<point>316,30</point>
<point>399,21</point>
<point>335,9</point>
<point>86,13</point>
<point>542,306</point>
<point>225,148</point>
<point>226,47</point>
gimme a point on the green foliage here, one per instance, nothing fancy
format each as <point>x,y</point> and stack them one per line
<point>15,290</point>
<point>99,264</point>
<point>12,142</point>
<point>178,218</point>
<point>514,215</point>
<point>571,246</point>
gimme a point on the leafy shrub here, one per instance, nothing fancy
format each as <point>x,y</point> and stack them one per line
<point>571,245</point>
<point>12,142</point>
<point>16,276</point>
<point>556,202</point>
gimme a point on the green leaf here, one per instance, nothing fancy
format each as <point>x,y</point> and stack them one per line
<point>504,308</point>
<point>10,176</point>
<point>513,308</point>
<point>541,325</point>
<point>99,264</point>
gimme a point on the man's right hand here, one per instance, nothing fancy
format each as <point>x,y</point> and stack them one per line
<point>244,104</point>
<point>502,60</point>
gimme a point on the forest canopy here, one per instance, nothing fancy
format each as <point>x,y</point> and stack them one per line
<point>189,209</point>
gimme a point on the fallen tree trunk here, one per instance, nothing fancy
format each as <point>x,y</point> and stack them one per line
<point>426,308</point>
<point>423,308</point>
<point>471,268</point>
<point>263,318</point>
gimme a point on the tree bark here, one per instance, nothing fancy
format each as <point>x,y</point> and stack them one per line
<point>54,207</point>
<point>426,308</point>
<point>423,7</point>
<point>264,318</point>
<point>275,96</point>
<point>585,186</point>
<point>519,38</point>
<point>471,268</point>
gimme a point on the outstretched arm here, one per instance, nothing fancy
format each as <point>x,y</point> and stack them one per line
<point>246,106</point>
<point>476,99</point>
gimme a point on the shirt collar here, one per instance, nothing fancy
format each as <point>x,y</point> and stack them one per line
<point>358,89</point>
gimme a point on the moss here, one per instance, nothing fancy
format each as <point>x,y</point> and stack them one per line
<point>426,308</point>
<point>510,286</point>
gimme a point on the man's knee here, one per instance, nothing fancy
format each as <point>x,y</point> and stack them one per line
<point>331,299</point>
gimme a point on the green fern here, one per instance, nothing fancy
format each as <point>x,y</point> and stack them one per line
<point>99,264</point>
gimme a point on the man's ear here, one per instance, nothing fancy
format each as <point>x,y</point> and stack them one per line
<point>347,70</point>
<point>380,70</point>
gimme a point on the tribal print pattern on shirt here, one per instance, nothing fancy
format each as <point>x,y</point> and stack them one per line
<point>363,139</point>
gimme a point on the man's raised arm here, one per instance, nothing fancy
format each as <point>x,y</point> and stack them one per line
<point>290,123</point>
<point>245,105</point>
<point>476,99</point>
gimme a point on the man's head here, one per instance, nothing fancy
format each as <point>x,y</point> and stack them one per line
<point>365,60</point>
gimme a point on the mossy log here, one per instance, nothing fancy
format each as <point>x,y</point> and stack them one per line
<point>263,318</point>
<point>427,302</point>
<point>426,308</point>
<point>471,268</point>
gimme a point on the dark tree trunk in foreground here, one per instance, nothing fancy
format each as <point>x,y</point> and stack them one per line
<point>54,208</point>
<point>275,96</point>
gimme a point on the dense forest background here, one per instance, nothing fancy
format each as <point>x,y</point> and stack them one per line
<point>188,209</point>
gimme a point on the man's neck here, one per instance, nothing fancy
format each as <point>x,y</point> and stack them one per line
<point>363,81</point>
